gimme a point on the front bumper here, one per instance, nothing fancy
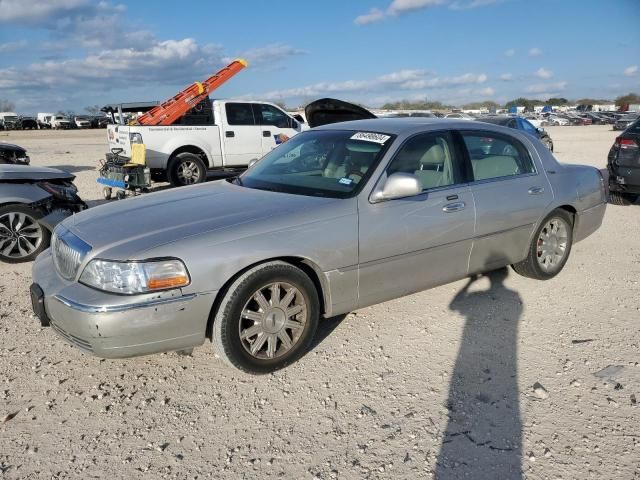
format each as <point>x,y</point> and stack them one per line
<point>117,326</point>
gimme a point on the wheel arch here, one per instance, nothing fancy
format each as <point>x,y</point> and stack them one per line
<point>311,269</point>
<point>194,149</point>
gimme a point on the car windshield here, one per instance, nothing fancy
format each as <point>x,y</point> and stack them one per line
<point>329,163</point>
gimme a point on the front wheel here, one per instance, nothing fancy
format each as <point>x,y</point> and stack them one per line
<point>267,319</point>
<point>550,247</point>
<point>22,238</point>
<point>187,169</point>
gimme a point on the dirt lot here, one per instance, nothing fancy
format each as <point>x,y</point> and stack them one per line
<point>437,384</point>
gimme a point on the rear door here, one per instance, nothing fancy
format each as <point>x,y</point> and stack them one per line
<point>511,192</point>
<point>240,134</point>
<point>275,126</point>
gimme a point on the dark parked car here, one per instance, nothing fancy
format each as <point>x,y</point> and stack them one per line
<point>521,124</point>
<point>624,121</point>
<point>13,154</point>
<point>27,123</point>
<point>623,164</point>
<point>32,202</point>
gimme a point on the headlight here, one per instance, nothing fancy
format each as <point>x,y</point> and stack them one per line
<point>135,138</point>
<point>135,277</point>
<point>65,192</point>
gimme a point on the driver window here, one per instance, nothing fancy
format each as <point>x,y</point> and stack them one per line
<point>269,115</point>
<point>431,158</point>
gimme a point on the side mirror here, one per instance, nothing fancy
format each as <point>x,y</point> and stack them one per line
<point>397,185</point>
<point>252,162</point>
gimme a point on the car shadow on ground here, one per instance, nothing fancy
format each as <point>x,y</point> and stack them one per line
<point>483,437</point>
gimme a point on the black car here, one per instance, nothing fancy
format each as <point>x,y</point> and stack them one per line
<point>623,164</point>
<point>13,154</point>
<point>521,124</point>
<point>27,123</point>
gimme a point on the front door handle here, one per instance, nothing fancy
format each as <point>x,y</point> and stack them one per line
<point>266,133</point>
<point>536,190</point>
<point>453,207</point>
<point>229,134</point>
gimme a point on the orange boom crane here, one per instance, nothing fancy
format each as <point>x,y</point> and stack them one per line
<point>169,111</point>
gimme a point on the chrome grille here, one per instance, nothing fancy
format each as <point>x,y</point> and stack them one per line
<point>68,252</point>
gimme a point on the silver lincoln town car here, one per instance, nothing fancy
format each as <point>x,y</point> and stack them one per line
<point>337,218</point>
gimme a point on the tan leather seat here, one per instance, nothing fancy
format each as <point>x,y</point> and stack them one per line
<point>432,168</point>
<point>493,167</point>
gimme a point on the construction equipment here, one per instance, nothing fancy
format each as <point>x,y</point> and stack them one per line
<point>124,174</point>
<point>171,110</point>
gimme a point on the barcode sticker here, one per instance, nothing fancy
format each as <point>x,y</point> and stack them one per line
<point>371,137</point>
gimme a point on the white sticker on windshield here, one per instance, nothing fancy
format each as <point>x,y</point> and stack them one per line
<point>371,137</point>
<point>345,181</point>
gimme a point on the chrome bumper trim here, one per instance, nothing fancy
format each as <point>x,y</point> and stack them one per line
<point>121,308</point>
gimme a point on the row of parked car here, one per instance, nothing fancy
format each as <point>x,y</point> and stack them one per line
<point>12,121</point>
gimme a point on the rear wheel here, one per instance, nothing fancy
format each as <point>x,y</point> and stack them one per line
<point>187,169</point>
<point>267,319</point>
<point>22,238</point>
<point>619,198</point>
<point>550,247</point>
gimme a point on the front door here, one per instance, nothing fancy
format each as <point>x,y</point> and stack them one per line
<point>511,193</point>
<point>240,134</point>
<point>411,244</point>
<point>275,126</point>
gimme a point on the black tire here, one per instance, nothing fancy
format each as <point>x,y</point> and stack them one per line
<point>548,143</point>
<point>196,167</point>
<point>106,193</point>
<point>619,198</point>
<point>228,318</point>
<point>33,216</point>
<point>120,195</point>
<point>530,266</point>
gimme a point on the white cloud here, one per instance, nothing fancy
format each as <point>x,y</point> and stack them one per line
<point>402,80</point>
<point>20,11</point>
<point>12,46</point>
<point>374,15</point>
<point>506,77</point>
<point>631,71</point>
<point>535,52</point>
<point>510,52</point>
<point>268,53</point>
<point>486,92</point>
<point>547,88</point>
<point>543,73</point>
<point>400,7</point>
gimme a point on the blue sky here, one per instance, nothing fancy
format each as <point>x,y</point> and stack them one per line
<point>67,54</point>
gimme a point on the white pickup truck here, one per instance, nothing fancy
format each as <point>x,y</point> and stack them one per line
<point>218,134</point>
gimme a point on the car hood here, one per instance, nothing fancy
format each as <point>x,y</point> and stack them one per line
<point>330,110</point>
<point>25,172</point>
<point>129,229</point>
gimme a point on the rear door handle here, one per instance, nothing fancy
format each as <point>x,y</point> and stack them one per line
<point>266,133</point>
<point>536,190</point>
<point>229,134</point>
<point>453,207</point>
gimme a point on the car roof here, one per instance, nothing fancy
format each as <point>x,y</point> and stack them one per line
<point>397,126</point>
<point>498,120</point>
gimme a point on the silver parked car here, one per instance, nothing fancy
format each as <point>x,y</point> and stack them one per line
<point>337,218</point>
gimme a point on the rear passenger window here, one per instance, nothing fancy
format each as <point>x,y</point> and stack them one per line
<point>431,158</point>
<point>496,156</point>
<point>239,114</point>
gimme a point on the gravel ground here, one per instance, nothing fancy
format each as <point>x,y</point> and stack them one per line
<point>499,378</point>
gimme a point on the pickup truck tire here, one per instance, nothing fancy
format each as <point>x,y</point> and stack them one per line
<point>267,319</point>
<point>186,169</point>
<point>550,247</point>
<point>22,238</point>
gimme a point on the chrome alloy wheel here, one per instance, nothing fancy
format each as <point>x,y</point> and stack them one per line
<point>188,172</point>
<point>20,235</point>
<point>552,244</point>
<point>273,320</point>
